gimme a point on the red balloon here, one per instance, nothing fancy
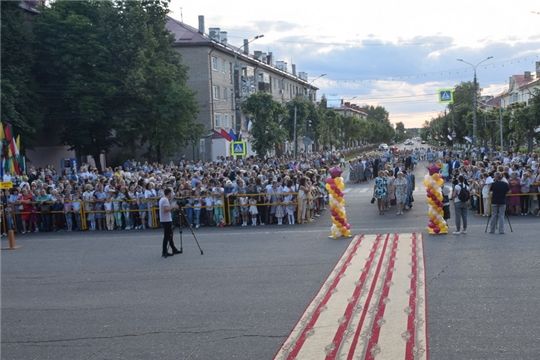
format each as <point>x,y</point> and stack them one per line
<point>437,230</point>
<point>329,181</point>
<point>431,225</point>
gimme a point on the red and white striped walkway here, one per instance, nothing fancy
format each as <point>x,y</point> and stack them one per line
<point>372,306</point>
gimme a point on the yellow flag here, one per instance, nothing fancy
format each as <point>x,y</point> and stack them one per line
<point>18,142</point>
<point>2,136</point>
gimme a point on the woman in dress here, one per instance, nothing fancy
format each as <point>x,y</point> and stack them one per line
<point>400,184</point>
<point>379,191</point>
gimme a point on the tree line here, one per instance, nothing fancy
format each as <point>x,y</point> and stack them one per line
<point>520,122</point>
<point>274,124</point>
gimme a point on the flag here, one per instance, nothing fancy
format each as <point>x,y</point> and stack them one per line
<point>13,151</point>
<point>225,135</point>
<point>3,144</point>
<point>468,139</point>
<point>11,140</point>
<point>20,158</point>
<point>232,135</point>
<point>449,137</point>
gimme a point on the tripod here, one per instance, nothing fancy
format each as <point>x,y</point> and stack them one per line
<point>505,216</point>
<point>181,218</point>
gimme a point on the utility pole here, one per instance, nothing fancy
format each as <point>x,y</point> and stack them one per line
<point>475,97</point>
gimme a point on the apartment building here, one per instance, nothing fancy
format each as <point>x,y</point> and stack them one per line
<point>223,76</point>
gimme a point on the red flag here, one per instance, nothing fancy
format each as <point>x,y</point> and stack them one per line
<point>226,135</point>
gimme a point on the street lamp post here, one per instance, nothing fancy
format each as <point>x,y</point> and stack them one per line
<point>312,81</point>
<point>237,87</point>
<point>475,96</point>
<point>295,131</point>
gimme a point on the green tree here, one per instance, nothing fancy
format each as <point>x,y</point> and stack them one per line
<point>20,102</point>
<point>266,115</point>
<point>112,78</point>
<point>78,86</point>
<point>161,108</point>
<point>303,112</point>
<point>462,110</point>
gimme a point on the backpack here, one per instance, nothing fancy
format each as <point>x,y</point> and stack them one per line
<point>464,193</point>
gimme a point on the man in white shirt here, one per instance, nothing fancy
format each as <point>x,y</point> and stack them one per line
<point>165,209</point>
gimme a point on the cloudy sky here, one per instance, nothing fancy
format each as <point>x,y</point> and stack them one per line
<point>392,53</point>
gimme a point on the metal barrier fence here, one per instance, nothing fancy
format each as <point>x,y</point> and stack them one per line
<point>223,207</point>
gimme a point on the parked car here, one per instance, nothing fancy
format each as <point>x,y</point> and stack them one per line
<point>423,141</point>
<point>383,147</point>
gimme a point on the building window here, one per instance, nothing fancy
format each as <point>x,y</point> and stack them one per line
<point>214,63</point>
<point>223,66</point>
<point>217,120</point>
<point>216,92</point>
<point>226,120</point>
<point>225,94</point>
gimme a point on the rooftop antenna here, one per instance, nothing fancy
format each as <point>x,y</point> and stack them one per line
<point>181,15</point>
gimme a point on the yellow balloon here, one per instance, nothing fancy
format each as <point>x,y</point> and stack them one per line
<point>426,182</point>
<point>435,176</point>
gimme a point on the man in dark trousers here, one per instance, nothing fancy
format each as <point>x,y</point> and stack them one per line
<point>165,209</point>
<point>498,190</point>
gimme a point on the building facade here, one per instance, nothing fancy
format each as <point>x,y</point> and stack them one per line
<point>223,76</point>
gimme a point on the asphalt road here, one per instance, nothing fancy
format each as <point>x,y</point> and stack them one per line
<point>110,295</point>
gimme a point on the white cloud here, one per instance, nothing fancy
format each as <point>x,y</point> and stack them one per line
<point>398,52</point>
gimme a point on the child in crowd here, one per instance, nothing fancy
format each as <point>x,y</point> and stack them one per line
<point>244,210</point>
<point>446,202</point>
<point>262,200</point>
<point>58,211</point>
<point>67,212</point>
<point>88,197</point>
<point>76,207</point>
<point>236,212</point>
<point>253,210</point>
<point>280,212</point>
<point>109,216</point>
<point>116,203</point>
<point>209,201</point>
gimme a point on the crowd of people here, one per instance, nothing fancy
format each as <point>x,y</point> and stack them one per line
<point>254,191</point>
<point>227,191</point>
<point>520,171</point>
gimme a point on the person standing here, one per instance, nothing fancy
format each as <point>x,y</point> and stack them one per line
<point>165,209</point>
<point>379,191</point>
<point>498,190</point>
<point>460,207</point>
<point>401,192</point>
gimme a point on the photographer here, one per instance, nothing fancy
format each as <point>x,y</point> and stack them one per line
<point>165,209</point>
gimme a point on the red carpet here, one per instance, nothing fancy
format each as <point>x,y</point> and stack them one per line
<point>372,306</point>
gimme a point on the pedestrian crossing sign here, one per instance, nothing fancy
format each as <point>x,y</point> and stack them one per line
<point>238,148</point>
<point>446,96</point>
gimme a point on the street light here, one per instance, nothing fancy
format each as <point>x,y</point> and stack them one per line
<point>237,97</point>
<point>311,82</point>
<point>295,131</point>
<point>475,96</point>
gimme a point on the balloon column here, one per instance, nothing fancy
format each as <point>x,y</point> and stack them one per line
<point>433,181</point>
<point>335,185</point>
